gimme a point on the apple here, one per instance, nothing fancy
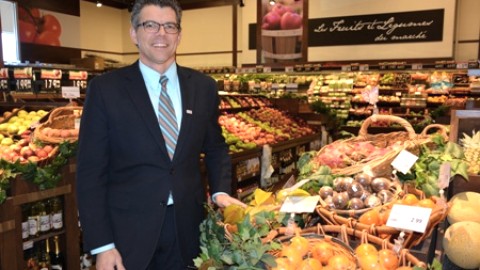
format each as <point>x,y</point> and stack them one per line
<point>48,148</point>
<point>291,20</point>
<point>271,21</point>
<point>26,151</point>
<point>41,153</point>
<point>281,9</point>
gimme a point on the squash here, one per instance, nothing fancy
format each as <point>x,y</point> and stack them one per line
<point>464,206</point>
<point>462,243</point>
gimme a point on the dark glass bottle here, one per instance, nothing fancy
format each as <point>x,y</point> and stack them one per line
<point>43,256</point>
<point>56,257</point>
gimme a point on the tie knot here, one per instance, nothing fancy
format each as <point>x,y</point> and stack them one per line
<point>163,80</point>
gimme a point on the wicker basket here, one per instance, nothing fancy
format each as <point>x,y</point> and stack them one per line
<point>354,237</point>
<point>61,119</point>
<point>377,166</point>
<point>411,239</point>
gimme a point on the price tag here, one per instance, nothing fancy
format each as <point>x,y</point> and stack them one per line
<point>70,92</point>
<point>300,204</point>
<point>409,218</point>
<point>462,65</point>
<point>404,161</point>
<point>267,69</point>
<point>289,69</point>
<point>444,175</point>
<point>363,67</point>
<point>417,66</point>
<point>398,94</point>
<point>292,85</point>
<point>27,244</point>
<point>346,68</point>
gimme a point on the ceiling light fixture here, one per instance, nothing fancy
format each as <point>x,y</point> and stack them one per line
<point>272,2</point>
<point>99,4</point>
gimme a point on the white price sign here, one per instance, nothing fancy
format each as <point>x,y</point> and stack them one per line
<point>70,92</point>
<point>409,218</point>
<point>300,204</point>
<point>404,161</point>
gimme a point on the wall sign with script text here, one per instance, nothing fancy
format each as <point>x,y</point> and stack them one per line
<point>401,27</point>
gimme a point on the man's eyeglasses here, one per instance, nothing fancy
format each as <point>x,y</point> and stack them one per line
<point>154,27</point>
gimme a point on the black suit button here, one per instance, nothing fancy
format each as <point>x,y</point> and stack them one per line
<point>172,171</point>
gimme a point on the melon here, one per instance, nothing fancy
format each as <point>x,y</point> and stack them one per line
<point>462,243</point>
<point>464,207</point>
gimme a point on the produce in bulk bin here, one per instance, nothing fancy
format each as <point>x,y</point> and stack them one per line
<point>374,220</point>
<point>62,125</point>
<point>366,152</point>
<point>370,251</point>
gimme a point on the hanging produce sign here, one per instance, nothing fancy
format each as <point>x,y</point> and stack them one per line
<point>23,78</point>
<point>401,27</point>
<point>3,79</point>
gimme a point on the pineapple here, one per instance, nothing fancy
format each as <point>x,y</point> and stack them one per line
<point>471,148</point>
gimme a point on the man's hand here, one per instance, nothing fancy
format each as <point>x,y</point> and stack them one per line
<point>224,200</point>
<point>109,260</point>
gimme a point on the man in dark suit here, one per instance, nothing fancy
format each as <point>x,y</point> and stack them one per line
<point>139,188</point>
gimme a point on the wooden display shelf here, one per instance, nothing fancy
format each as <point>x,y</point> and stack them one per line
<point>23,192</point>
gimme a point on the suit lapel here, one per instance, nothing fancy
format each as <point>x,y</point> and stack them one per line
<point>187,93</point>
<point>137,91</point>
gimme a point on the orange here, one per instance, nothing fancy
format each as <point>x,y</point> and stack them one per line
<point>388,259</point>
<point>341,262</point>
<point>409,199</point>
<point>310,264</point>
<point>371,217</point>
<point>322,251</point>
<point>428,203</point>
<point>365,249</point>
<point>301,244</point>
<point>282,264</point>
<point>292,255</point>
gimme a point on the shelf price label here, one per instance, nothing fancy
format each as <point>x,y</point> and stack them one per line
<point>363,68</point>
<point>70,92</point>
<point>417,66</point>
<point>3,79</point>
<point>300,204</point>
<point>346,68</point>
<point>289,69</point>
<point>409,218</point>
<point>462,65</point>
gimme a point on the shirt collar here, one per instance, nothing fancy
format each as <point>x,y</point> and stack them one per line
<point>151,76</point>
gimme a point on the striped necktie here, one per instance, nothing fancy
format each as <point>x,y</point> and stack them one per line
<point>167,118</point>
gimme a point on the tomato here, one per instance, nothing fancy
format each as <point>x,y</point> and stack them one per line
<point>322,251</point>
<point>48,38</point>
<point>388,259</point>
<point>27,31</point>
<point>51,24</point>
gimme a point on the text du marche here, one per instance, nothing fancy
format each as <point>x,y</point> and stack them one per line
<point>389,26</point>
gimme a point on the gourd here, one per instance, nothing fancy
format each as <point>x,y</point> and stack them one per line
<point>464,206</point>
<point>462,243</point>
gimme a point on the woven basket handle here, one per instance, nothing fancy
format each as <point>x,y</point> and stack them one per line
<point>363,132</point>
<point>442,130</point>
<point>58,111</point>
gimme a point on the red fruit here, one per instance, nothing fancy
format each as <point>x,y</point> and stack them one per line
<point>48,38</point>
<point>271,21</point>
<point>41,153</point>
<point>48,148</point>
<point>51,24</point>
<point>28,15</point>
<point>291,20</point>
<point>281,9</point>
<point>27,31</point>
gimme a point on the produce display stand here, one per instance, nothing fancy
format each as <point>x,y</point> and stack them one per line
<point>23,192</point>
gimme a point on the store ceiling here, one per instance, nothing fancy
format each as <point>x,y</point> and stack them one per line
<point>186,4</point>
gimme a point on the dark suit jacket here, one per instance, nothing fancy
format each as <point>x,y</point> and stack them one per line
<point>124,172</point>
